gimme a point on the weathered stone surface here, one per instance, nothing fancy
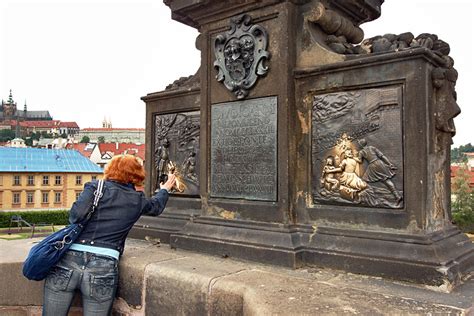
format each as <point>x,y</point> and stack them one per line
<point>17,290</point>
<point>263,290</point>
<point>133,268</point>
<point>181,99</point>
<point>184,291</point>
<point>194,284</point>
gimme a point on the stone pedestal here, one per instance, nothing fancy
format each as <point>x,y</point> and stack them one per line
<point>315,149</point>
<point>172,117</point>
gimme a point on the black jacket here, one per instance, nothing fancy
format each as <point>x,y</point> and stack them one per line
<point>119,208</point>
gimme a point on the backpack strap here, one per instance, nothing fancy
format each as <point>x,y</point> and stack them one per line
<point>97,195</point>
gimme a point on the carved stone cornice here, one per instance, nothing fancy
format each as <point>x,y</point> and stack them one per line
<point>196,12</point>
<point>359,11</point>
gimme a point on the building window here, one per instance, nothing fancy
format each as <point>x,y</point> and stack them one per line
<point>45,180</point>
<point>30,197</point>
<point>57,180</point>
<point>78,193</point>
<point>57,197</point>
<point>94,178</point>
<point>31,180</point>
<point>16,180</point>
<point>1,180</point>
<point>16,197</point>
<point>45,197</point>
<point>78,180</point>
<point>1,197</point>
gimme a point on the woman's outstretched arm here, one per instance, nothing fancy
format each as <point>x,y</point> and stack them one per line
<point>156,204</point>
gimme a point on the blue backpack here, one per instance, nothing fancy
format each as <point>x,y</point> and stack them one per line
<point>47,253</point>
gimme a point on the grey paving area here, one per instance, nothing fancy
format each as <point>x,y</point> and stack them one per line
<point>157,280</point>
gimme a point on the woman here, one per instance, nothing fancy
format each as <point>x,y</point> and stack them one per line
<point>91,264</point>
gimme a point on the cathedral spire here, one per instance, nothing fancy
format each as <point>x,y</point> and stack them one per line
<point>24,107</point>
<point>10,97</point>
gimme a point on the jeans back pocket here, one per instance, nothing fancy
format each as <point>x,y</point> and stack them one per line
<point>58,278</point>
<point>103,286</point>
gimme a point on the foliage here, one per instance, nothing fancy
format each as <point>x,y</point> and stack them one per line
<point>101,139</point>
<point>85,139</point>
<point>28,141</point>
<point>60,217</point>
<point>463,204</point>
<point>6,135</point>
<point>465,221</point>
<point>458,153</point>
<point>63,135</point>
<point>35,136</point>
<point>45,134</point>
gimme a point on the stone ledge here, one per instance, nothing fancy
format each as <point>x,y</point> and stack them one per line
<point>157,280</point>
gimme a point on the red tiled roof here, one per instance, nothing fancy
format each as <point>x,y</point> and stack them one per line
<point>100,129</point>
<point>456,169</point>
<point>81,147</point>
<point>12,123</point>
<point>68,124</point>
<point>123,148</point>
<point>41,124</point>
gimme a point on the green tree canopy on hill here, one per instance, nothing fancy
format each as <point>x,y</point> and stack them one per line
<point>45,134</point>
<point>458,153</point>
<point>85,139</point>
<point>35,135</point>
<point>6,135</point>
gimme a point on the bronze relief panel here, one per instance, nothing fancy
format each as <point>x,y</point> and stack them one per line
<point>176,149</point>
<point>357,150</point>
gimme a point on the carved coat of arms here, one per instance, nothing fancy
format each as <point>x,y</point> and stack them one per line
<point>240,55</point>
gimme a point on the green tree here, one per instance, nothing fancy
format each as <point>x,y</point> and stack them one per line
<point>28,141</point>
<point>463,202</point>
<point>63,135</point>
<point>35,135</point>
<point>458,154</point>
<point>85,139</point>
<point>101,139</point>
<point>45,134</point>
<point>6,135</point>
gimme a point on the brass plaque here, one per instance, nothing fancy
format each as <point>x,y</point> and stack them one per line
<point>244,149</point>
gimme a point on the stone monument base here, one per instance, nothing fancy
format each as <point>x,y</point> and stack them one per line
<point>437,259</point>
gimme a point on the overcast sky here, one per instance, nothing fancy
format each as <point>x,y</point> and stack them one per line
<point>84,60</point>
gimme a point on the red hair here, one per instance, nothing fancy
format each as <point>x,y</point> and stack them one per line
<point>125,169</point>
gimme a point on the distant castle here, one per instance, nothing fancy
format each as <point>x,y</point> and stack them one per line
<point>9,111</point>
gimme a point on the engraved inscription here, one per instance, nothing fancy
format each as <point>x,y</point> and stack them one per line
<point>357,148</point>
<point>177,146</point>
<point>244,149</point>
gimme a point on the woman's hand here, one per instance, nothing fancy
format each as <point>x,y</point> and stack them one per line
<point>169,184</point>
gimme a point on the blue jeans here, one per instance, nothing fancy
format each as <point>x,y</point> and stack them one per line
<point>95,276</point>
